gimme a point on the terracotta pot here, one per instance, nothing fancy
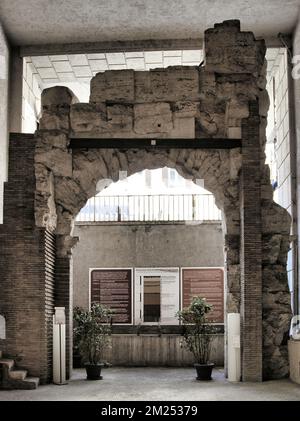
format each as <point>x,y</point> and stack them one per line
<point>204,371</point>
<point>93,371</point>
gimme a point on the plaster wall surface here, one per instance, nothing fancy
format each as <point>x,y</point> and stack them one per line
<point>92,20</point>
<point>4,64</point>
<point>116,245</point>
<point>31,98</point>
<point>296,82</point>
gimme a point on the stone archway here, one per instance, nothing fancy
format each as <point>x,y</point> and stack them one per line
<point>221,178</point>
<point>226,98</point>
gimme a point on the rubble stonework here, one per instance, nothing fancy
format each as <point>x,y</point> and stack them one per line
<point>210,101</point>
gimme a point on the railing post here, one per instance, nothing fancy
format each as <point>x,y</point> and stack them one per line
<point>193,207</point>
<point>94,208</point>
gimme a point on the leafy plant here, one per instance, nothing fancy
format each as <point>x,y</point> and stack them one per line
<point>92,332</point>
<point>198,332</point>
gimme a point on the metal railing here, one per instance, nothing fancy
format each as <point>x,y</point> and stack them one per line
<point>141,208</point>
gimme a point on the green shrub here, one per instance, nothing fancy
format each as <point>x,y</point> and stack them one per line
<point>92,332</point>
<point>198,332</point>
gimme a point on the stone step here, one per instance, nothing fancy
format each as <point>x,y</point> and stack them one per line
<point>8,362</point>
<point>17,374</point>
<point>32,382</point>
<point>28,383</point>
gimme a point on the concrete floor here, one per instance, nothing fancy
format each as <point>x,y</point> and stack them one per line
<point>148,384</point>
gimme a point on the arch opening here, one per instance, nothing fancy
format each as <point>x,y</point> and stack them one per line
<point>167,223</point>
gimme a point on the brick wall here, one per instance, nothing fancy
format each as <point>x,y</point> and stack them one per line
<point>26,297</point>
<point>50,253</point>
<point>251,249</point>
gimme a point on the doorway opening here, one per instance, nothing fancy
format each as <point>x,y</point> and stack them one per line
<point>148,244</point>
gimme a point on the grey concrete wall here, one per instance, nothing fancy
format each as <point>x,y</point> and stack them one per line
<point>4,65</point>
<point>119,245</point>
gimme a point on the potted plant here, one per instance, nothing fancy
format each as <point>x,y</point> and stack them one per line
<point>77,359</point>
<point>93,336</point>
<point>198,335</point>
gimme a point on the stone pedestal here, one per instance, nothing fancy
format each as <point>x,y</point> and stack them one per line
<point>294,357</point>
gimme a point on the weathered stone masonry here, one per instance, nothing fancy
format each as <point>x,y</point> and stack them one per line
<point>224,98</point>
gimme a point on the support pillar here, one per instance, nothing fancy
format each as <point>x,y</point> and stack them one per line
<point>251,249</point>
<point>63,296</point>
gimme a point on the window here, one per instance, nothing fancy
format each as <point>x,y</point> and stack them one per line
<point>156,292</point>
<point>152,299</point>
<point>156,295</point>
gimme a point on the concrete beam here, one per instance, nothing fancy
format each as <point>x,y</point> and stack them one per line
<point>121,46</point>
<point>114,143</point>
<point>111,46</point>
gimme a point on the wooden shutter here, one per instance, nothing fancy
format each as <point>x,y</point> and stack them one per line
<point>169,296</point>
<point>208,283</point>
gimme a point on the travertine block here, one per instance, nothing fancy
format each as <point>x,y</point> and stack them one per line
<point>171,84</point>
<point>86,117</point>
<point>184,109</point>
<point>152,118</point>
<point>58,160</point>
<point>227,50</point>
<point>184,128</point>
<point>52,139</point>
<point>54,121</point>
<point>234,132</point>
<point>120,117</point>
<point>113,85</point>
<point>57,96</point>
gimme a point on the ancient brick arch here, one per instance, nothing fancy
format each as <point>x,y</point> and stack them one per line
<point>221,178</point>
<point>225,99</point>
<point>92,165</point>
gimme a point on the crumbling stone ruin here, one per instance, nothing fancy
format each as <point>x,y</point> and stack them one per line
<point>224,98</point>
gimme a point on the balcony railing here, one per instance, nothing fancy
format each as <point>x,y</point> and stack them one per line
<point>142,208</point>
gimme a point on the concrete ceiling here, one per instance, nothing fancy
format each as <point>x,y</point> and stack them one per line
<point>81,67</point>
<point>76,70</point>
<point>32,22</point>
